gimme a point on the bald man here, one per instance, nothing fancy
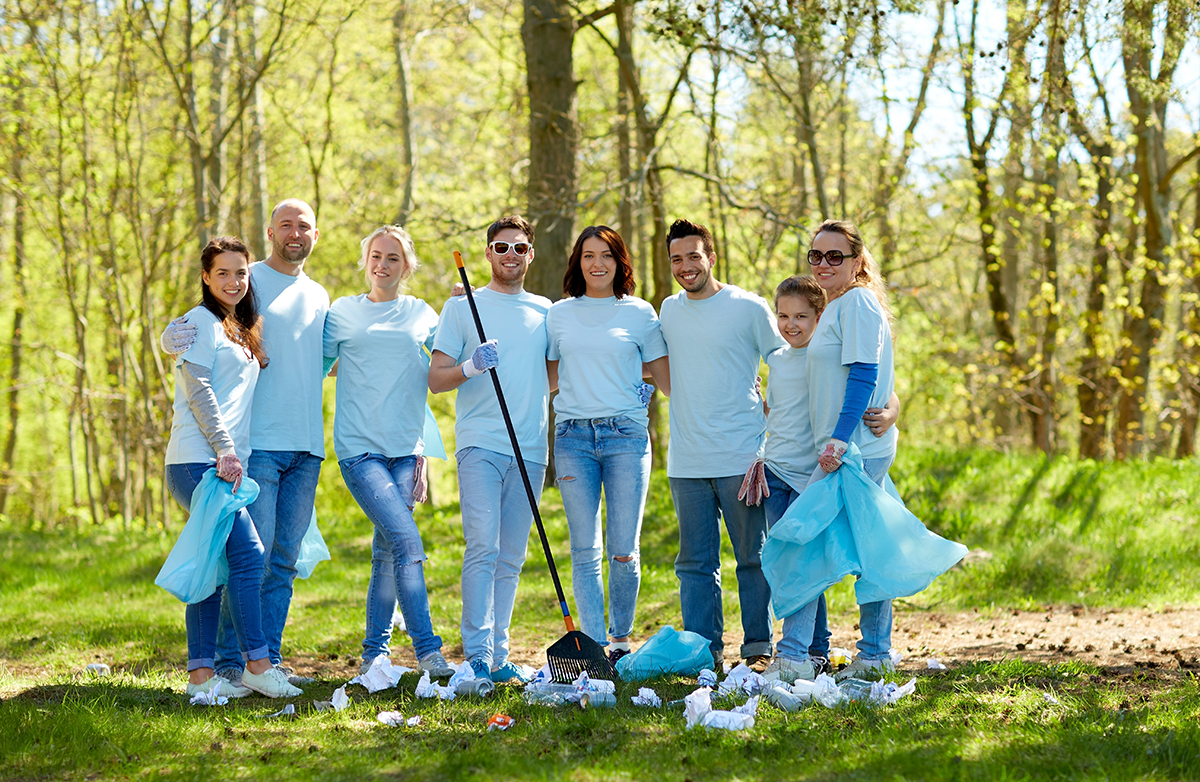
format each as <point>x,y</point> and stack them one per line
<point>287,433</point>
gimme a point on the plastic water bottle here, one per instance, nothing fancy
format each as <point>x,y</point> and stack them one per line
<point>593,700</point>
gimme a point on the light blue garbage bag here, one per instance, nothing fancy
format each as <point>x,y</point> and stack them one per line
<point>846,525</point>
<point>196,565</point>
<point>312,549</point>
<point>668,651</point>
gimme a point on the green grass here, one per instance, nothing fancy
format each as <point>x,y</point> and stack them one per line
<point>1057,531</point>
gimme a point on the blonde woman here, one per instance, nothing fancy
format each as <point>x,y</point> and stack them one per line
<point>380,340</point>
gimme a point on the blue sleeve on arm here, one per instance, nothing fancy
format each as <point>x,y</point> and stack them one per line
<point>859,387</point>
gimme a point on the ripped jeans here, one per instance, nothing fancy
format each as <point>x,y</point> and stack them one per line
<point>383,488</point>
<point>612,454</point>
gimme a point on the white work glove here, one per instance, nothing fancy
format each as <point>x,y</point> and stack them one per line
<point>420,480</point>
<point>831,455</point>
<point>178,336</point>
<point>754,485</point>
<point>484,358</point>
<point>229,468</point>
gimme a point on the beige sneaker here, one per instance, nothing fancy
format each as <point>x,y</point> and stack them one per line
<point>865,669</point>
<point>272,683</point>
<point>788,670</point>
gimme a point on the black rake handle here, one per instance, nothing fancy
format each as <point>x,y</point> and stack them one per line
<point>512,436</point>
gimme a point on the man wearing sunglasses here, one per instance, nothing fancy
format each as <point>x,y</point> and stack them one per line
<point>495,510</point>
<point>716,335</point>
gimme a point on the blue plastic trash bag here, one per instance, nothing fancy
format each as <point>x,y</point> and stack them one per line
<point>668,651</point>
<point>312,549</point>
<point>196,565</point>
<point>434,447</point>
<point>846,525</point>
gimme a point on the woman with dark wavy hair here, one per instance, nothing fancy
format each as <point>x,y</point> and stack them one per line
<point>604,341</point>
<point>214,389</point>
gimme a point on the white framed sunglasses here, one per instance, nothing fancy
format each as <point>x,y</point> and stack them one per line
<point>517,248</point>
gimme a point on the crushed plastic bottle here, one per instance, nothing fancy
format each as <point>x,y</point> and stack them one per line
<point>825,691</point>
<point>540,698</point>
<point>592,700</point>
<point>840,656</point>
<point>781,697</point>
<point>856,689</point>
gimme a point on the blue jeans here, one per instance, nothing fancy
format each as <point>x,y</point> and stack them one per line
<point>496,519</point>
<point>874,619</point>
<point>700,503</point>
<point>782,496</point>
<point>613,454</point>
<point>287,489</point>
<point>383,488</point>
<point>244,553</point>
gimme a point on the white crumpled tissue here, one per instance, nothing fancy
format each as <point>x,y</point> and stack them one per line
<point>211,698</point>
<point>396,719</point>
<point>427,689</point>
<point>698,710</point>
<point>896,657</point>
<point>934,664</point>
<point>340,699</point>
<point>585,682</point>
<point>647,697</point>
<point>696,706</point>
<point>887,693</point>
<point>707,678</point>
<point>743,679</point>
<point>825,691</point>
<point>381,675</point>
<point>287,711</point>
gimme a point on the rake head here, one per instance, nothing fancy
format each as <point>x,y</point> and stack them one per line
<point>576,653</point>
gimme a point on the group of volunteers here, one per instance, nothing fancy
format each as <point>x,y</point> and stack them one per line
<point>251,357</point>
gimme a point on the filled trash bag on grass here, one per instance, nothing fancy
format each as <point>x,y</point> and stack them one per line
<point>196,565</point>
<point>846,525</point>
<point>668,651</point>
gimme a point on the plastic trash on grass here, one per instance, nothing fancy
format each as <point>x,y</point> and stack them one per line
<point>896,657</point>
<point>287,711</point>
<point>887,693</point>
<point>647,697</point>
<point>934,664</point>
<point>98,669</point>
<point>667,651</point>
<point>211,698</point>
<point>500,722</point>
<point>698,710</point>
<point>427,689</point>
<point>707,678</point>
<point>742,679</point>
<point>381,675</point>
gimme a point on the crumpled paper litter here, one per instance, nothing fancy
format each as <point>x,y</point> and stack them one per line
<point>647,697</point>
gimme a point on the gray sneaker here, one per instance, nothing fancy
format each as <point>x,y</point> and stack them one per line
<point>865,669</point>
<point>232,674</point>
<point>294,679</point>
<point>788,670</point>
<point>436,664</point>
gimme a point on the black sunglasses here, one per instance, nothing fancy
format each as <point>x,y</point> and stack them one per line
<point>832,258</point>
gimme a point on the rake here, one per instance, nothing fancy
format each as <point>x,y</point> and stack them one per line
<point>575,652</point>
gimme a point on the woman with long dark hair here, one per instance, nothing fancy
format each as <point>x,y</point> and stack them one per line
<point>214,388</point>
<point>604,341</point>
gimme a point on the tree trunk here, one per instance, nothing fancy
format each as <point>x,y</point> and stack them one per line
<point>1191,342</point>
<point>403,117</point>
<point>548,31</point>
<point>18,262</point>
<point>260,207</point>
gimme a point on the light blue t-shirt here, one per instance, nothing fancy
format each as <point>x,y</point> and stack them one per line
<point>600,346</point>
<point>852,329</point>
<point>717,420</point>
<point>234,373</point>
<point>383,374</point>
<point>287,412</point>
<point>790,451</point>
<point>518,323</point>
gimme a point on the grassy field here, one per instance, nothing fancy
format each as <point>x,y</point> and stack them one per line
<point>1043,532</point>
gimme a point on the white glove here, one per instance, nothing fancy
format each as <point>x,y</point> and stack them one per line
<point>178,336</point>
<point>229,468</point>
<point>484,358</point>
<point>831,455</point>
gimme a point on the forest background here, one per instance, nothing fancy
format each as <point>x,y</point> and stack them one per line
<point>1026,172</point>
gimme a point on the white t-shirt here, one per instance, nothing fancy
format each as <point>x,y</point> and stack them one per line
<point>518,324</point>
<point>383,374</point>
<point>234,373</point>
<point>600,345</point>
<point>852,329</point>
<point>790,451</point>
<point>717,421</point>
<point>287,412</point>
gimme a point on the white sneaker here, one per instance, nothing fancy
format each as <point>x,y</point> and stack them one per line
<point>788,670</point>
<point>436,664</point>
<point>865,669</point>
<point>228,689</point>
<point>294,679</point>
<point>272,683</point>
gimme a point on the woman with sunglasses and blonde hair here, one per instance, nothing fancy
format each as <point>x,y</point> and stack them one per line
<point>604,340</point>
<point>850,370</point>
<point>380,340</point>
